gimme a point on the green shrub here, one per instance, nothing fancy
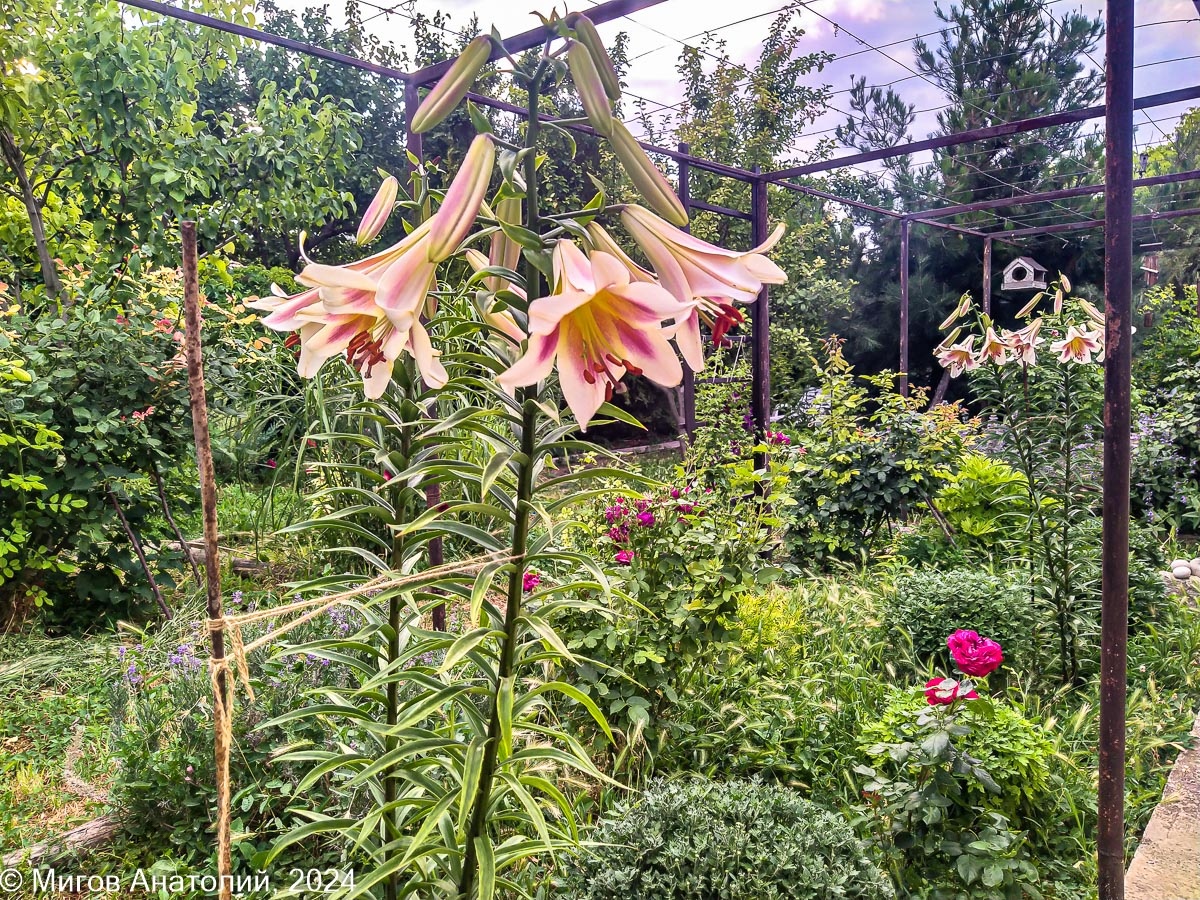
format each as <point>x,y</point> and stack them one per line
<point>865,457</point>
<point>701,840</point>
<point>928,606</point>
<point>681,559</point>
<point>1015,752</point>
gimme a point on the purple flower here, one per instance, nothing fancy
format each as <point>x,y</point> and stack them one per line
<point>675,493</point>
<point>618,534</point>
<point>646,518</point>
<point>530,581</point>
<point>624,557</point>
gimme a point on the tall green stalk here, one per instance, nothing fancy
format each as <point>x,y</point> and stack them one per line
<point>391,780</point>
<point>520,533</point>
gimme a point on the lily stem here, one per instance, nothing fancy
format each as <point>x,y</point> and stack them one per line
<point>476,833</point>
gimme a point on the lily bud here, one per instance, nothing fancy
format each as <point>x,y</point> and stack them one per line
<point>504,251</point>
<point>378,212</point>
<point>586,34</point>
<point>650,182</point>
<point>591,88</point>
<point>461,204</point>
<point>449,92</point>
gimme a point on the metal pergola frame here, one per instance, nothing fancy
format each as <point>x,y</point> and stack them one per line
<point>1117,111</point>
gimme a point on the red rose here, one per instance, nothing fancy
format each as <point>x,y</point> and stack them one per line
<point>974,655</point>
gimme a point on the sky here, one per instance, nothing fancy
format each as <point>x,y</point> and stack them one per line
<point>1167,30</point>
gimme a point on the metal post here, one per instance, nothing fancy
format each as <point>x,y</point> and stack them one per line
<point>902,378</point>
<point>987,276</point>
<point>1118,300</point>
<point>689,377</point>
<point>761,390</point>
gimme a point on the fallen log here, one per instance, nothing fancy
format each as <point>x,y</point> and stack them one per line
<point>89,834</point>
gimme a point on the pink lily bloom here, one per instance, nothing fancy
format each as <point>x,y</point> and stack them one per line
<point>1078,345</point>
<point>598,325</point>
<point>500,319</point>
<point>993,349</point>
<point>706,277</point>
<point>1024,343</point>
<point>959,357</point>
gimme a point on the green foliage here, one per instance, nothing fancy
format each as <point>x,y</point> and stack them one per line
<point>680,561</point>
<point>810,668</point>
<point>861,462</point>
<point>949,790</point>
<point>696,840</point>
<point>929,605</point>
<point>982,501</point>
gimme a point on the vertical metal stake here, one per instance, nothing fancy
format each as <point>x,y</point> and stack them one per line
<point>689,377</point>
<point>987,276</point>
<point>1118,301</point>
<point>761,400</point>
<point>902,378</point>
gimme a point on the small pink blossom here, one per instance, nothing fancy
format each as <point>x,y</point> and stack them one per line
<point>624,557</point>
<point>530,581</point>
<point>270,463</point>
<point>646,518</point>
<point>944,691</point>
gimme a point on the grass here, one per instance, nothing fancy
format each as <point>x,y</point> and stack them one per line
<point>53,724</point>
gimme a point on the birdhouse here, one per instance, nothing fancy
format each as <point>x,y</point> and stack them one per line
<point>1024,274</point>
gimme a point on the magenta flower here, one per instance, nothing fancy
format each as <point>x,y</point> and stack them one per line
<point>675,493</point>
<point>687,508</point>
<point>618,534</point>
<point>974,655</point>
<point>944,691</point>
<point>624,557</point>
<point>530,581</point>
<point>646,519</point>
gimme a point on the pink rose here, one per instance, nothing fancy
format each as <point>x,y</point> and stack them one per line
<point>944,691</point>
<point>974,655</point>
<point>530,581</point>
<point>624,557</point>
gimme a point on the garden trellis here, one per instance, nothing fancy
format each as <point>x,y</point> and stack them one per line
<point>1119,218</point>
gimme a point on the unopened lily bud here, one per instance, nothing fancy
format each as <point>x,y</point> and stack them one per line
<point>591,88</point>
<point>449,92</point>
<point>650,182</point>
<point>586,34</point>
<point>461,204</point>
<point>504,251</point>
<point>379,211</point>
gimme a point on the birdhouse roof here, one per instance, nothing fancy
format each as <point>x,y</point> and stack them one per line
<point>1026,262</point>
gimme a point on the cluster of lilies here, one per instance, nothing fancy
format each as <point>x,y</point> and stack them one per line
<point>1078,344</point>
<point>604,316</point>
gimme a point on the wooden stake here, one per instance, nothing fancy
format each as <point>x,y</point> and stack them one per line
<point>212,571</point>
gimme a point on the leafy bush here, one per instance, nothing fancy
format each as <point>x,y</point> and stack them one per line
<point>946,779</point>
<point>929,605</point>
<point>861,462</point>
<point>1015,752</point>
<point>810,667</point>
<point>699,840</point>
<point>981,501</point>
<point>682,557</point>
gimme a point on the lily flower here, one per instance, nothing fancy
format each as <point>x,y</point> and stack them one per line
<point>1024,343</point>
<point>379,211</point>
<point>601,240</point>
<point>993,349</point>
<point>598,325</point>
<point>1078,345</point>
<point>708,278</point>
<point>959,357</point>
<point>460,207</point>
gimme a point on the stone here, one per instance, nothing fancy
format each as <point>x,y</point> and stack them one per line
<point>1195,565</point>
<point>1176,563</point>
<point>1183,572</point>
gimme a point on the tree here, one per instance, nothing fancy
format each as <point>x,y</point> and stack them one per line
<point>997,61</point>
<point>100,116</point>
